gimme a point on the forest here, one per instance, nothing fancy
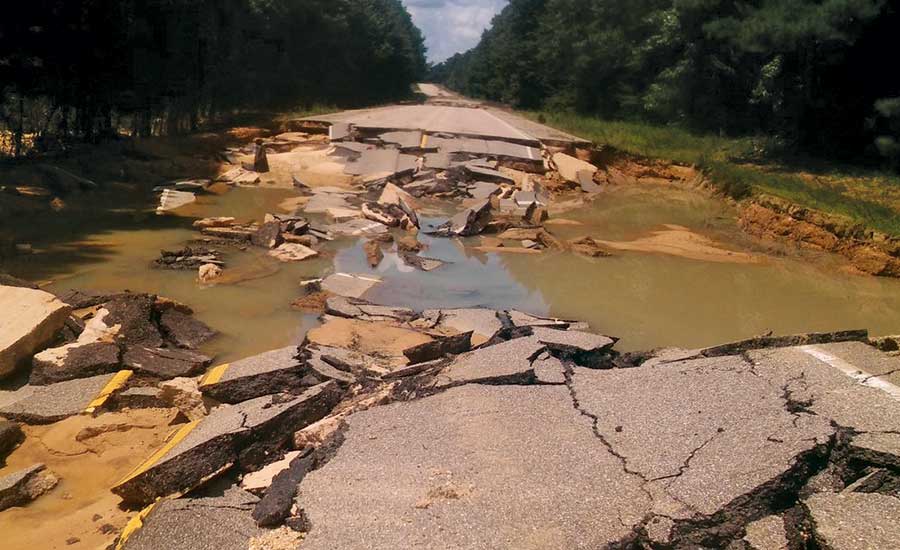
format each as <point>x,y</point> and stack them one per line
<point>89,69</point>
<point>821,75</point>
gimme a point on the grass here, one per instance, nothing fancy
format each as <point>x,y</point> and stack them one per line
<point>741,167</point>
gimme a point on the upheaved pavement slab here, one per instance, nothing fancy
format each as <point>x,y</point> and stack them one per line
<point>220,523</point>
<point>30,321</point>
<point>506,362</point>
<point>73,361</point>
<point>353,308</point>
<point>48,404</point>
<point>572,341</point>
<point>264,374</point>
<point>164,364</point>
<point>719,430</point>
<point>232,434</point>
<point>349,285</point>
<point>483,322</point>
<point>473,467</point>
<point>855,521</point>
<point>20,488</point>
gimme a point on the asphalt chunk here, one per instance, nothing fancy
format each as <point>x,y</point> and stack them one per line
<point>267,373</point>
<point>855,521</point>
<point>48,404</point>
<point>74,361</point>
<point>244,435</point>
<point>164,363</point>
<point>509,362</point>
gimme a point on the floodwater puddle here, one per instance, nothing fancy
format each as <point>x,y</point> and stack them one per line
<point>670,295</point>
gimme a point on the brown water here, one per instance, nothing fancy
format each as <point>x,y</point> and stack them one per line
<point>649,300</point>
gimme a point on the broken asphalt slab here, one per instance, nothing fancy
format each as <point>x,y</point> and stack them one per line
<point>20,488</point>
<point>52,403</point>
<point>242,435</point>
<point>508,362</point>
<point>264,374</point>
<point>31,318</point>
<point>855,521</point>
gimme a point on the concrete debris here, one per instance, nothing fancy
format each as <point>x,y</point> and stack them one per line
<point>572,342</point>
<point>172,200</point>
<point>268,235</point>
<point>257,482</point>
<point>508,362</point>
<point>142,397</point>
<point>220,522</point>
<point>587,246</point>
<point>324,200</point>
<point>77,360</point>
<point>30,322</point>
<point>338,131</point>
<point>521,319</point>
<point>381,162</point>
<point>164,363</point>
<point>24,486</point>
<point>404,140</point>
<point>10,437</point>
<point>242,435</point>
<point>205,223</point>
<point>188,258</point>
<point>437,161</point>
<point>339,215</point>
<point>260,159</point>
<point>439,347</point>
<point>572,169</point>
<point>469,222</point>
<point>483,323</point>
<point>349,285</point>
<point>236,233</point>
<point>323,370</point>
<point>291,252</point>
<point>275,506</point>
<point>324,435</point>
<point>134,314</point>
<point>183,394</point>
<point>358,228</point>
<point>483,190</point>
<point>482,173</point>
<point>263,374</point>
<point>421,262</point>
<point>767,533</point>
<point>240,176</point>
<point>208,273</point>
<point>52,403</point>
<point>373,252</point>
<point>184,330</point>
<point>353,308</point>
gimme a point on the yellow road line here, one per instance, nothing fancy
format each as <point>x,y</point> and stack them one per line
<point>214,374</point>
<point>424,141</point>
<point>134,525</point>
<point>173,440</point>
<point>115,383</point>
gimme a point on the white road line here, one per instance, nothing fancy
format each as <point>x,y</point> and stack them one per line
<point>507,124</point>
<point>851,370</point>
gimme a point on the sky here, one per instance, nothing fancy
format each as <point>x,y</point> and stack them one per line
<point>452,26</point>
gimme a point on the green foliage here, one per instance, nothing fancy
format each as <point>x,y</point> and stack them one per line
<point>85,68</point>
<point>808,71</point>
<point>739,167</point>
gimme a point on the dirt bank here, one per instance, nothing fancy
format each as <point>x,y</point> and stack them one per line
<point>764,216</point>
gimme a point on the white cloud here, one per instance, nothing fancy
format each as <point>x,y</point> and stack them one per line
<point>452,26</point>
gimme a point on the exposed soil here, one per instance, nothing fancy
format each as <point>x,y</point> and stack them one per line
<point>89,455</point>
<point>675,240</point>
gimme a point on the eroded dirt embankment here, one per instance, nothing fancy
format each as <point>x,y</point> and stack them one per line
<point>765,216</point>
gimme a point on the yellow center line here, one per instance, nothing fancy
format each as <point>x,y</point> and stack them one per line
<point>214,374</point>
<point>424,141</point>
<point>114,384</point>
<point>173,440</point>
<point>134,525</point>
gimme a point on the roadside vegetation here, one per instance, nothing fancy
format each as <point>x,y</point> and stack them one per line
<point>86,71</point>
<point>701,81</point>
<point>742,166</point>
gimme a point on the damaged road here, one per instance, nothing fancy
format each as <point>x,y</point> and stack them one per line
<point>506,430</point>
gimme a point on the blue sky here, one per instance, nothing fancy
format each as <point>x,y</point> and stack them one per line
<point>452,26</point>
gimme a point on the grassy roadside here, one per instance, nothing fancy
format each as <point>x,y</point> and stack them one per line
<point>739,167</point>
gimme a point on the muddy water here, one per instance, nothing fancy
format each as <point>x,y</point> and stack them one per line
<point>648,299</point>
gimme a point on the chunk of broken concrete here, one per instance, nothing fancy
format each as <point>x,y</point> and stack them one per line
<point>74,361</point>
<point>469,222</point>
<point>508,362</point>
<point>243,434</point>
<point>439,347</point>
<point>292,252</point>
<point>143,397</point>
<point>358,228</point>
<point>20,488</point>
<point>373,252</point>
<point>268,235</point>
<point>205,223</point>
<point>184,395</point>
<point>349,285</point>
<point>587,246</point>
<point>208,273</point>
<point>275,506</point>
<point>484,323</point>
<point>10,437</point>
<point>165,364</point>
<point>49,404</point>
<point>354,308</point>
<point>134,314</point>
<point>259,481</point>
<point>172,200</point>
<point>30,321</point>
<point>264,374</point>
<point>184,330</point>
<point>570,167</point>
